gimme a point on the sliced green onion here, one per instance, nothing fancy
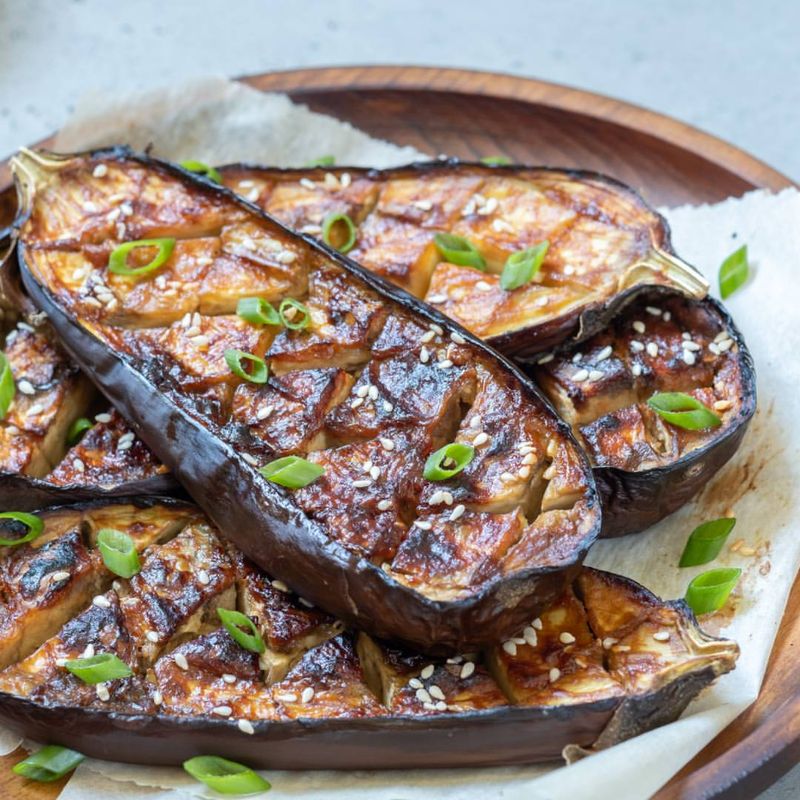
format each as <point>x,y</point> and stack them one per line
<point>733,272</point>
<point>48,764</point>
<point>118,552</point>
<point>458,250</point>
<point>235,358</point>
<point>118,260</point>
<point>7,386</point>
<point>98,669</point>
<point>521,267</point>
<point>234,621</point>
<point>709,590</point>
<point>684,411</point>
<point>289,317</point>
<point>334,222</point>
<point>292,472</point>
<point>322,161</point>
<point>202,169</point>
<point>448,461</point>
<point>77,429</point>
<point>258,311</point>
<point>224,776</point>
<point>706,541</point>
<point>496,161</point>
<point>34,525</point>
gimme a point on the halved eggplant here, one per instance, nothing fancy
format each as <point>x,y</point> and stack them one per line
<point>644,466</point>
<point>605,661</point>
<point>38,466</point>
<point>605,243</point>
<point>385,380</point>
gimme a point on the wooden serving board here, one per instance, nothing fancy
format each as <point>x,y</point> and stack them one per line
<point>474,114</point>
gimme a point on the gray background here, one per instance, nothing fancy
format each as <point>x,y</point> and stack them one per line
<point>728,66</point>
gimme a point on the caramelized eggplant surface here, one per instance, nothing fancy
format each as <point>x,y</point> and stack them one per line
<point>645,466</point>
<point>605,243</point>
<point>605,661</point>
<point>364,383</point>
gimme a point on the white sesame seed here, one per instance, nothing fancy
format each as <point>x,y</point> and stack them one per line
<point>222,711</point>
<point>88,651</point>
<point>331,181</point>
<point>447,497</point>
<point>89,207</point>
<point>510,647</point>
<point>121,231</point>
<point>604,353</point>
<point>158,698</point>
<point>384,505</point>
<point>423,524</point>
<point>666,316</point>
<point>152,636</point>
<point>445,364</point>
<point>126,208</point>
<point>566,638</point>
<point>286,257</point>
<point>245,727</point>
<point>307,695</point>
<point>357,402</point>
<point>180,661</point>
<point>457,338</point>
<point>581,375</point>
<point>78,465</point>
<point>427,671</point>
<point>346,179</point>
<point>423,205</point>
<point>25,386</point>
<point>595,374</point>
<point>689,357</point>
<point>661,636</point>
<point>656,312</point>
<point>250,459</point>
<point>101,602</point>
<point>387,406</point>
<point>457,512</point>
<point>103,418</point>
<point>636,370</point>
<point>466,670</point>
<point>554,675</point>
<point>362,391</point>
<point>639,326</point>
<point>636,346</point>
<point>423,696</point>
<point>307,183</point>
<point>609,642</point>
<point>102,692</point>
<point>427,336</point>
<point>203,577</point>
<point>687,344</point>
<point>373,392</point>
<point>455,659</point>
<point>287,697</point>
<point>363,483</point>
<point>415,683</point>
<point>424,355</point>
<point>264,412</point>
<point>506,476</point>
<point>61,575</point>
<point>436,692</point>
<point>436,498</point>
<point>537,624</point>
<point>375,473</point>
<point>100,171</point>
<point>577,358</point>
<point>529,635</point>
<point>387,444</point>
<point>501,226</point>
<point>722,335</point>
<point>546,358</point>
<point>725,345</point>
<point>549,473</point>
<point>483,286</point>
<point>306,603</point>
<point>722,405</point>
<point>714,349</point>
<point>440,705</point>
<point>436,298</point>
<point>279,585</point>
<point>530,459</point>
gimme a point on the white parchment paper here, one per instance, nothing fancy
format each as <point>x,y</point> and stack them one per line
<point>216,121</point>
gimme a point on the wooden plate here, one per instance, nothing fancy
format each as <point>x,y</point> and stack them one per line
<point>474,114</point>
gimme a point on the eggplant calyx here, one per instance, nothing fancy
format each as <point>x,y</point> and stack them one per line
<point>661,267</point>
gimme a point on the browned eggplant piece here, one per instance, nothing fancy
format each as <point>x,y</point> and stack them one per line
<point>645,467</point>
<point>384,381</point>
<point>605,243</point>
<point>606,661</point>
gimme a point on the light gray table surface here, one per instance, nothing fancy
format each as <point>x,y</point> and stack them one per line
<point>731,67</point>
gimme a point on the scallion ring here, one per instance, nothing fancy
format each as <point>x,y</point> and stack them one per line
<point>7,386</point>
<point>521,267</point>
<point>235,359</point>
<point>496,161</point>
<point>288,311</point>
<point>709,590</point>
<point>77,429</point>
<point>224,776</point>
<point>234,621</point>
<point>448,461</point>
<point>292,472</point>
<point>458,250</point>
<point>201,168</point>
<point>706,541</point>
<point>322,161</point>
<point>98,669</point>
<point>733,272</point>
<point>33,523</point>
<point>684,411</point>
<point>339,231</point>
<point>48,764</point>
<point>258,311</point>
<point>118,260</point>
<point>118,552</point>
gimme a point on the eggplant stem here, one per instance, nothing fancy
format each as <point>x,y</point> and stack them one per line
<point>667,269</point>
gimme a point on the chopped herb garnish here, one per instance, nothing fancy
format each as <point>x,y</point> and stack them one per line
<point>234,621</point>
<point>706,541</point>
<point>7,386</point>
<point>118,551</point>
<point>288,312</point>
<point>458,250</point>
<point>292,472</point>
<point>684,411</point>
<point>202,169</point>
<point>77,429</point>
<point>118,260</point>
<point>224,776</point>
<point>496,161</point>
<point>733,272</point>
<point>448,461</point>
<point>236,360</point>
<point>33,523</point>
<point>322,161</point>
<point>258,311</point>
<point>339,231</point>
<point>709,590</point>
<point>48,764</point>
<point>521,267</point>
<point>98,669</point>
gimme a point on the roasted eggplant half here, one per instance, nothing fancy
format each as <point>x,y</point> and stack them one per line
<point>605,244</point>
<point>606,660</point>
<point>44,459</point>
<point>647,466</point>
<point>440,501</point>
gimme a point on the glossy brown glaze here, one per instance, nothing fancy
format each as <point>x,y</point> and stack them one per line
<point>320,696</point>
<point>415,382</point>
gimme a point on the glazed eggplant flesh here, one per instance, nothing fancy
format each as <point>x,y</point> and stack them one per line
<point>645,466</point>
<point>605,661</point>
<point>371,386</point>
<point>605,243</point>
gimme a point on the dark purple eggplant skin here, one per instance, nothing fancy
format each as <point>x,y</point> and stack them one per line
<point>525,344</point>
<point>296,548</point>
<point>633,501</point>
